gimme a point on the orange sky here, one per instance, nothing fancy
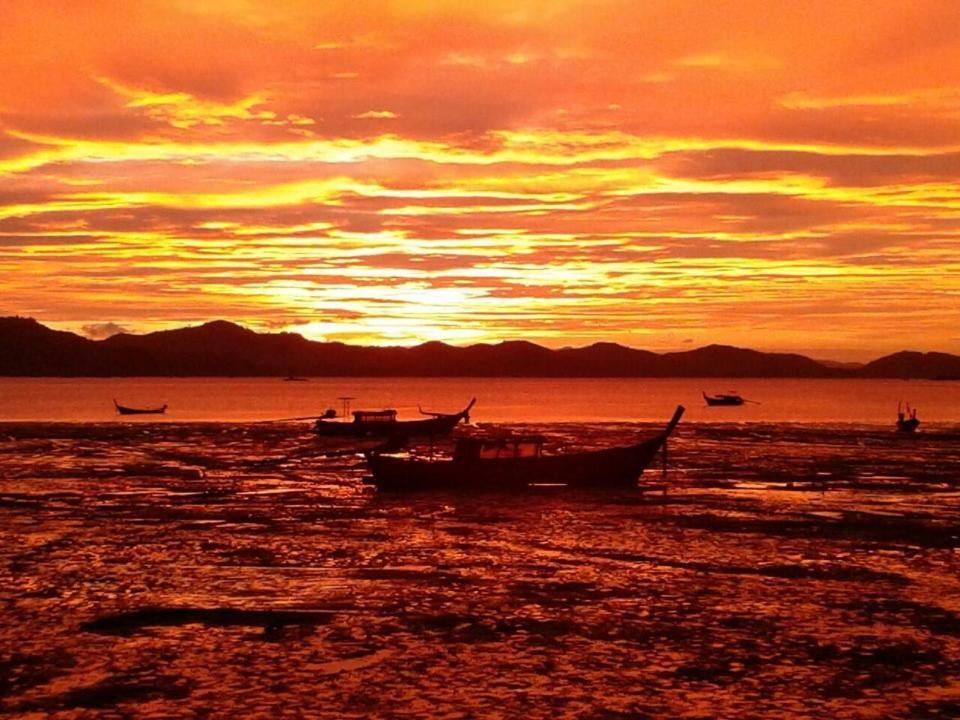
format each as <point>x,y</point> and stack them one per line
<point>660,174</point>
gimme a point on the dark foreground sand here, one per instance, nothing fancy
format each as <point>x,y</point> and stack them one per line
<point>223,571</point>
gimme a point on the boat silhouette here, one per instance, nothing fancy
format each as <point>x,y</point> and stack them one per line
<point>907,422</point>
<point>729,398</point>
<point>511,463</point>
<point>384,423</point>
<point>125,410</point>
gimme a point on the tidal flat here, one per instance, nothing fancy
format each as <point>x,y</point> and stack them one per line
<point>244,570</point>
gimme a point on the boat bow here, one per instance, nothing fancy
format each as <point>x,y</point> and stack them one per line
<point>671,426</point>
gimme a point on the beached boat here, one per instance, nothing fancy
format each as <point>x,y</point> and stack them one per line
<point>124,410</point>
<point>510,463</point>
<point>730,398</point>
<point>384,423</point>
<point>907,422</point>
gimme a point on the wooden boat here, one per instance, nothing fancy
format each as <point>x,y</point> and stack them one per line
<point>124,410</point>
<point>730,398</point>
<point>908,422</point>
<point>516,463</point>
<point>384,423</point>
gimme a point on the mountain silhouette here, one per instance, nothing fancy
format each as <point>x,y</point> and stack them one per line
<point>222,348</point>
<point>909,364</point>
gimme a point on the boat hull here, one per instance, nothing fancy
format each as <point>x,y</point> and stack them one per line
<point>908,426</point>
<point>612,468</point>
<point>408,428</point>
<point>124,410</point>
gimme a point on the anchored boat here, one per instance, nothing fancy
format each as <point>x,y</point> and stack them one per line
<point>516,463</point>
<point>384,423</point>
<point>907,422</point>
<point>730,398</point>
<point>124,410</point>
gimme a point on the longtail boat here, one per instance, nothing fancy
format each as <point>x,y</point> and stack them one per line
<point>516,463</point>
<point>384,423</point>
<point>124,410</point>
<point>730,398</point>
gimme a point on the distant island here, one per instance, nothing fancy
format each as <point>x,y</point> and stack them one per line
<point>223,349</point>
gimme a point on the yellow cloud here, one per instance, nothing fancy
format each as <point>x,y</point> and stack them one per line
<point>534,147</point>
<point>183,110</point>
<point>705,60</point>
<point>948,98</point>
<point>376,115</point>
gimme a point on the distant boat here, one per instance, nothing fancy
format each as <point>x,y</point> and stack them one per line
<point>124,410</point>
<point>730,398</point>
<point>294,378</point>
<point>907,422</point>
<point>516,463</point>
<point>384,423</point>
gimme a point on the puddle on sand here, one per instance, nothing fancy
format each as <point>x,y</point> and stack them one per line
<point>225,571</point>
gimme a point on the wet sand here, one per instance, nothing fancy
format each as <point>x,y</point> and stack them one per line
<point>212,570</point>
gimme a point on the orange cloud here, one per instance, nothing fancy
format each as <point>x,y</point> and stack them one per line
<point>563,171</point>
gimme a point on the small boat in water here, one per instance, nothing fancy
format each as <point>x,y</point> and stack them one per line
<point>294,378</point>
<point>510,463</point>
<point>124,410</point>
<point>384,423</point>
<point>729,398</point>
<point>907,422</point>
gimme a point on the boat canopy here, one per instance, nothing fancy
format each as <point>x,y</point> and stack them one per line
<point>474,448</point>
<point>374,415</point>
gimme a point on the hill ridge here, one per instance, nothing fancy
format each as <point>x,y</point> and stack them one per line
<point>223,348</point>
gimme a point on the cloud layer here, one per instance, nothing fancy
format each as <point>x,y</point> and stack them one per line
<point>655,173</point>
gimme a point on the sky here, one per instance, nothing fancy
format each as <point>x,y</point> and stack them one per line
<point>662,174</point>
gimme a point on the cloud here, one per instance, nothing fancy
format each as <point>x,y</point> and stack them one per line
<point>101,331</point>
<point>947,98</point>
<point>376,115</point>
<point>544,170</point>
<point>706,60</point>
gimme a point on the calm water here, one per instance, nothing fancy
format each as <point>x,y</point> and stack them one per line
<point>498,400</point>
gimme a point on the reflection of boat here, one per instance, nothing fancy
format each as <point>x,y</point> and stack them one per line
<point>730,398</point>
<point>516,463</point>
<point>124,410</point>
<point>384,423</point>
<point>907,422</point>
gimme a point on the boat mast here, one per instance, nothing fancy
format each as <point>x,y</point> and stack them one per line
<point>345,404</point>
